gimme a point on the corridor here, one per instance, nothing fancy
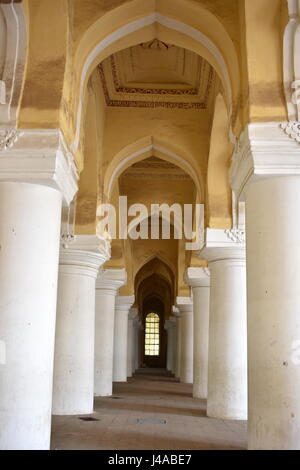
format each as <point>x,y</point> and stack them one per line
<point>153,411</point>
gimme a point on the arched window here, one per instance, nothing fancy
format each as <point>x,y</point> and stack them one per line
<point>152,335</point>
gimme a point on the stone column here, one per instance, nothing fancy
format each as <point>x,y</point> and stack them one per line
<point>170,326</point>
<point>36,175</point>
<point>73,383</point>
<point>227,368</point>
<point>133,313</point>
<point>175,320</point>
<point>107,285</point>
<point>137,356</point>
<point>176,313</point>
<point>199,280</point>
<point>123,304</point>
<point>266,172</point>
<point>185,307</point>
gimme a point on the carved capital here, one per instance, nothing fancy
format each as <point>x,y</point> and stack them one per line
<point>236,235</point>
<point>8,137</point>
<point>264,151</point>
<point>292,129</point>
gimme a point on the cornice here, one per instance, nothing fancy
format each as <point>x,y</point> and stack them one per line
<point>39,157</point>
<point>197,277</point>
<point>223,245</point>
<point>111,279</point>
<point>86,255</point>
<point>264,150</point>
<point>133,314</point>
<point>184,305</point>
<point>124,302</point>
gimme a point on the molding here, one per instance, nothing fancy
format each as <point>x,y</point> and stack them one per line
<point>133,314</point>
<point>170,324</point>
<point>197,277</point>
<point>38,157</point>
<point>111,279</point>
<point>263,151</point>
<point>87,254</point>
<point>184,305</point>
<point>124,303</point>
<point>139,103</point>
<point>221,245</point>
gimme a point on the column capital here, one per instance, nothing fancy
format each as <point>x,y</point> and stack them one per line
<point>85,255</point>
<point>39,157</point>
<point>184,305</point>
<point>133,313</point>
<point>170,324</point>
<point>124,302</point>
<point>265,150</point>
<point>111,279</point>
<point>223,245</point>
<point>197,277</point>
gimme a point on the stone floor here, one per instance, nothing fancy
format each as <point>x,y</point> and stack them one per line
<point>152,411</point>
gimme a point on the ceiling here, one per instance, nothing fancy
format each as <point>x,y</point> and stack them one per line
<point>156,74</point>
<point>154,167</point>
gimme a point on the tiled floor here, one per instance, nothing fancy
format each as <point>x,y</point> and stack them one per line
<point>174,420</point>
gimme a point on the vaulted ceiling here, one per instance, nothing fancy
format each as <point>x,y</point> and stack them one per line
<point>156,74</point>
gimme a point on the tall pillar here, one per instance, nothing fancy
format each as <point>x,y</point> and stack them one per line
<point>133,313</point>
<point>266,172</point>
<point>199,280</point>
<point>170,326</point>
<point>176,313</point>
<point>227,367</point>
<point>123,304</point>
<point>107,285</point>
<point>137,355</point>
<point>73,382</point>
<point>185,307</point>
<point>40,175</point>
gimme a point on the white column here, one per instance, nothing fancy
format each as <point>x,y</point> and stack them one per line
<point>133,313</point>
<point>227,368</point>
<point>30,216</point>
<point>73,383</point>
<point>267,168</point>
<point>175,344</point>
<point>107,285</point>
<point>137,356</point>
<point>185,306</point>
<point>199,280</point>
<point>123,304</point>
<point>176,313</point>
<point>170,326</point>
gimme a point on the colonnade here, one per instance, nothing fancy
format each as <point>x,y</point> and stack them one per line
<point>63,300</point>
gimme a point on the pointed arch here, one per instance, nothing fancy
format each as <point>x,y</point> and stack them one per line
<point>192,27</point>
<point>138,151</point>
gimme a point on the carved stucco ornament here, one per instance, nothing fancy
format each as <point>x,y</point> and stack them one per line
<point>236,235</point>
<point>67,239</point>
<point>8,138</point>
<point>292,129</point>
